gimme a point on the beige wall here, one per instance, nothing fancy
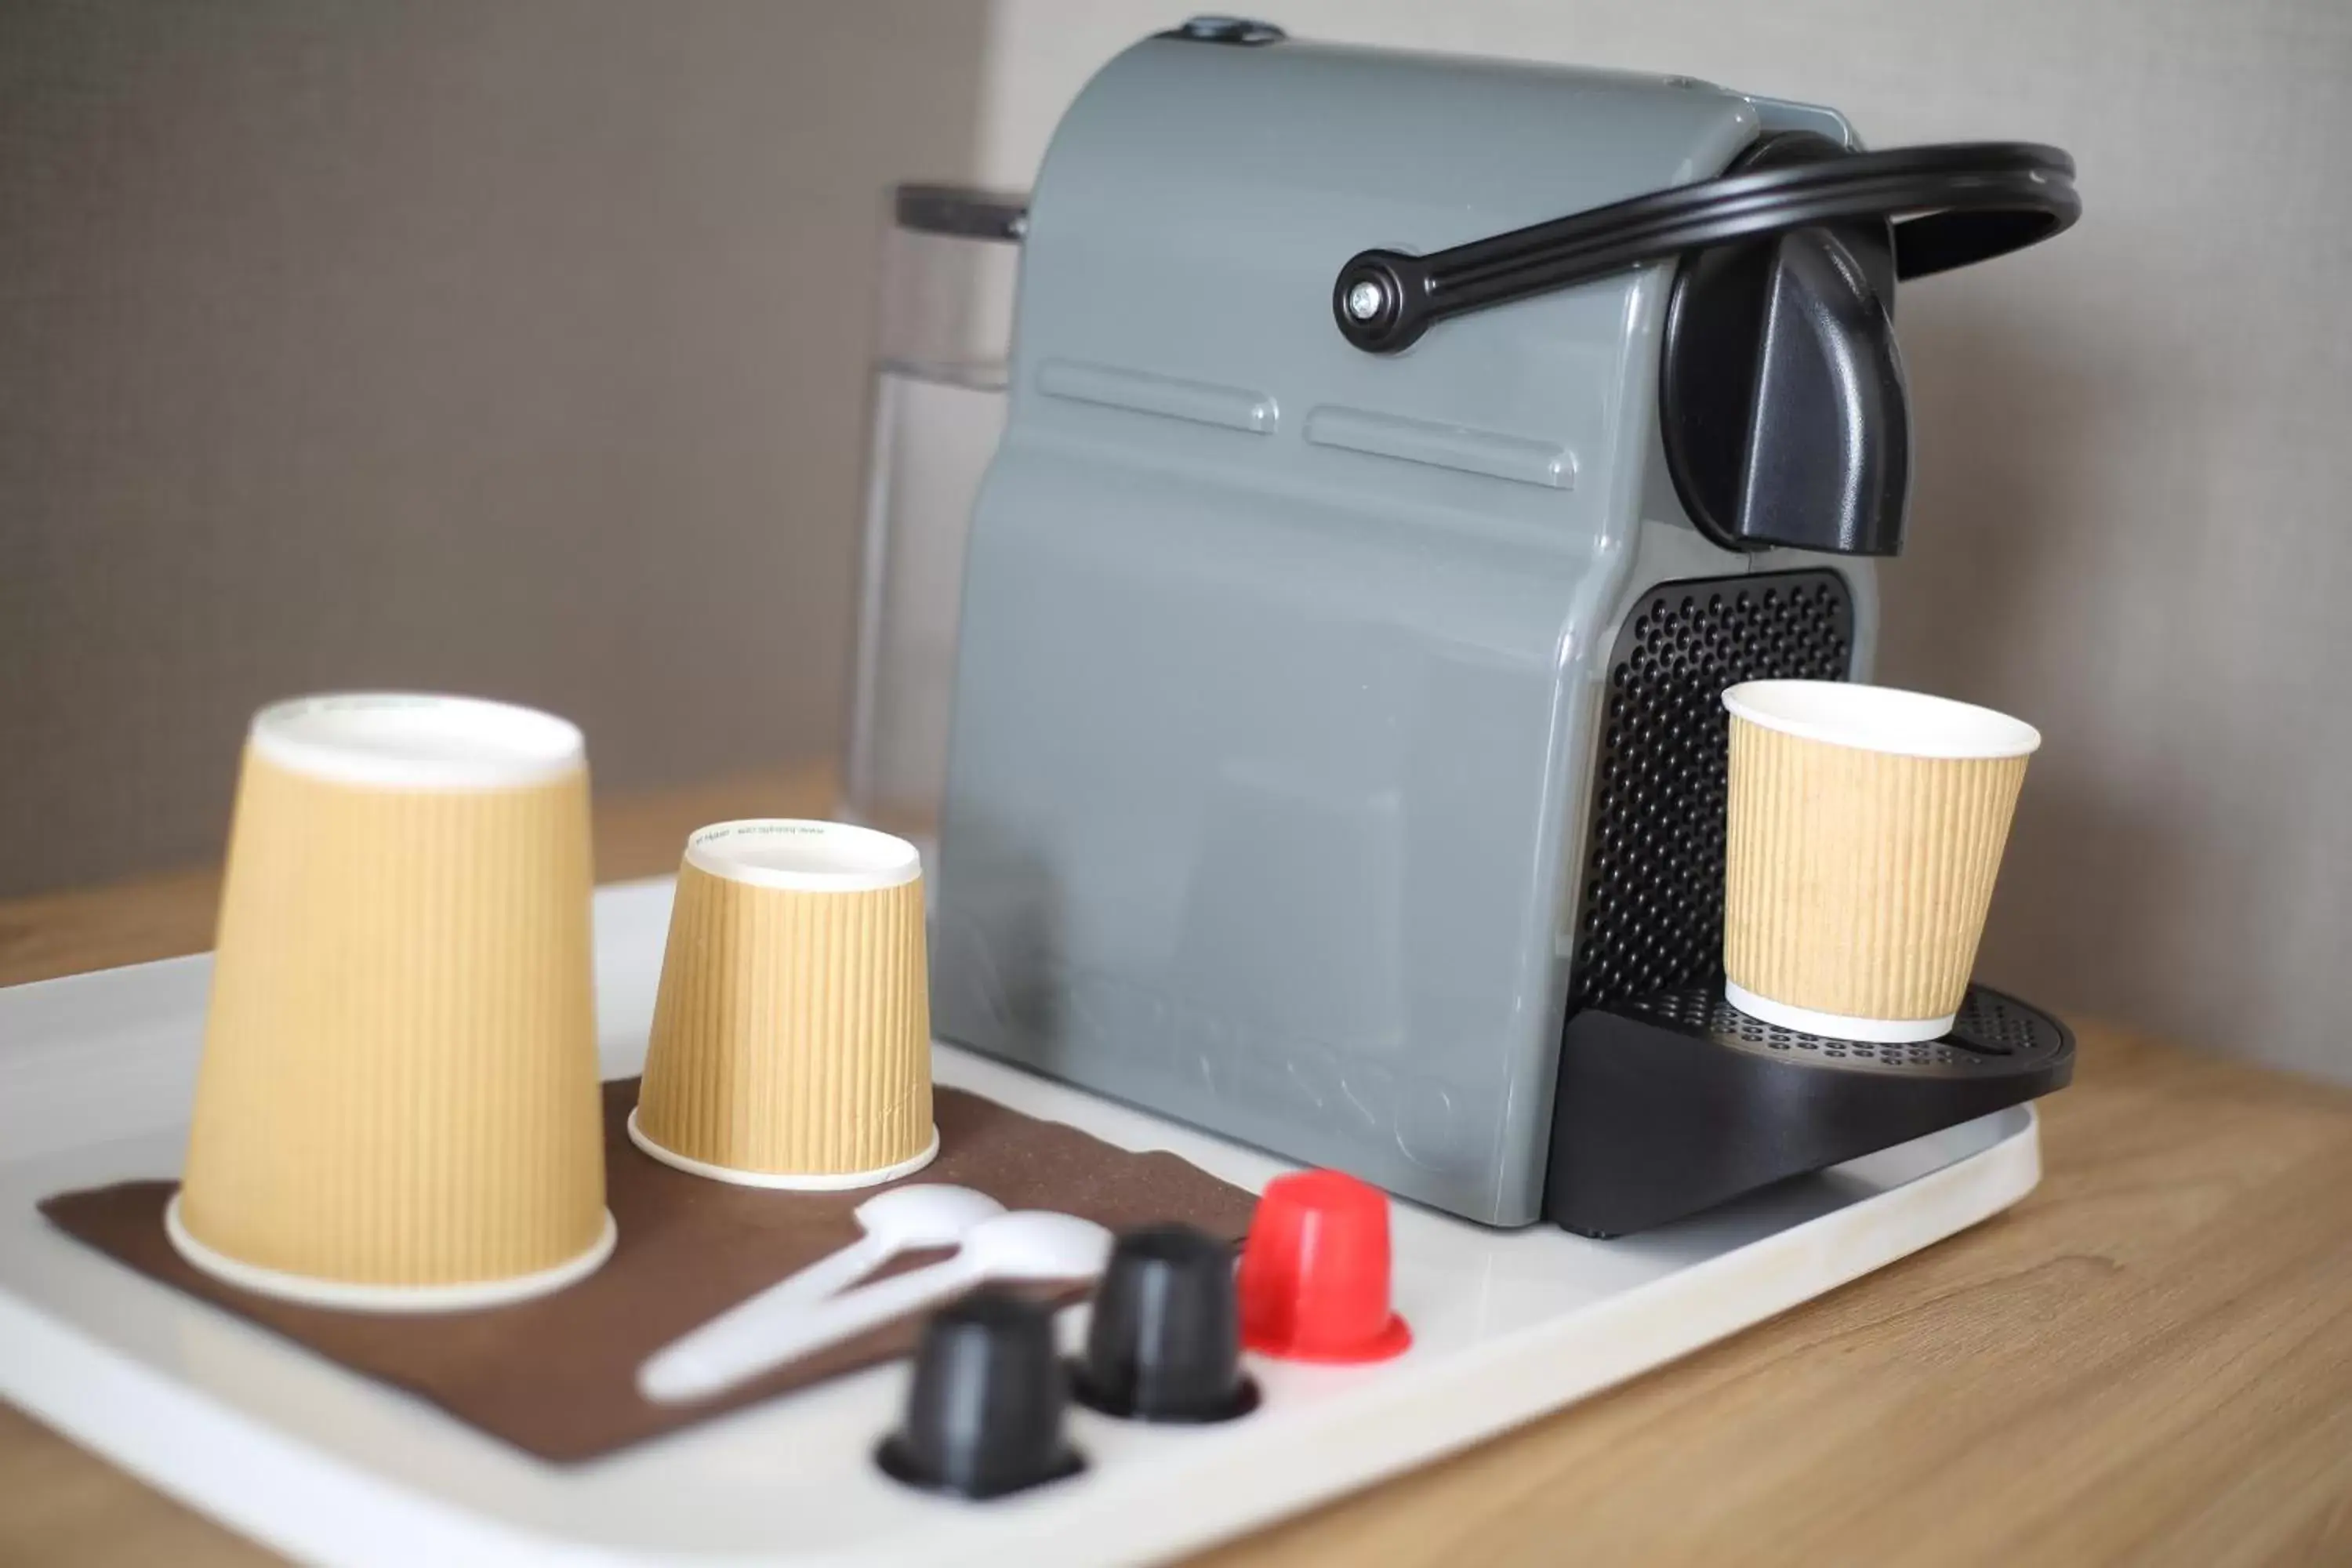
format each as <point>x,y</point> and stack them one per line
<point>512,346</point>
<point>2131,523</point>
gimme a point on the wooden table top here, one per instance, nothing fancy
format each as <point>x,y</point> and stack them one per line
<point>2147,1360</point>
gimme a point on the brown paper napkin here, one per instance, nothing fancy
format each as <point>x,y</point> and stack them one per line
<point>557,1376</point>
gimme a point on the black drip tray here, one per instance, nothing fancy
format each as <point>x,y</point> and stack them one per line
<point>1675,1102</point>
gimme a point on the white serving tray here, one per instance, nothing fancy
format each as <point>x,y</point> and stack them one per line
<point>96,1075</point>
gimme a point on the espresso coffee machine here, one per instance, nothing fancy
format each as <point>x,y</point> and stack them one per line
<point>1403,454</point>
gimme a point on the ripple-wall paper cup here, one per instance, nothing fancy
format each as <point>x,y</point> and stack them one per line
<point>398,1106</point>
<point>791,1039</point>
<point>1865,829</point>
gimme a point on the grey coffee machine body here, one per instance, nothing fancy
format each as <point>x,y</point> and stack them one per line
<point>1335,712</point>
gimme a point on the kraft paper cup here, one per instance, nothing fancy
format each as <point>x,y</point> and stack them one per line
<point>1865,829</point>
<point>398,1106</point>
<point>791,1039</point>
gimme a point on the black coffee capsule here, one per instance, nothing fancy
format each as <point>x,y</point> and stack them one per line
<point>1165,1343</point>
<point>985,1410</point>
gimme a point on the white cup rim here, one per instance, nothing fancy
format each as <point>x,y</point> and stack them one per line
<point>1881,718</point>
<point>802,855</point>
<point>417,739</point>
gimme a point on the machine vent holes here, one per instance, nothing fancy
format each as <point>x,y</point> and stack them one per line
<point>1650,910</point>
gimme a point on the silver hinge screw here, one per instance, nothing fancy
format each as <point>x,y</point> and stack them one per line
<point>1365,299</point>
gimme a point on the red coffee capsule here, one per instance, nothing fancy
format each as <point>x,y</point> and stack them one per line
<point>1315,1272</point>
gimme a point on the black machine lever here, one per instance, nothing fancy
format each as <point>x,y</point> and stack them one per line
<point>1956,203</point>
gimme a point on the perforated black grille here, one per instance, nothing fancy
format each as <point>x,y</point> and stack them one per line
<point>1993,1035</point>
<point>1650,916</point>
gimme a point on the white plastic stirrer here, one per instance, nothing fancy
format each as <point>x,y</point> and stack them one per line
<point>904,1219</point>
<point>1026,1244</point>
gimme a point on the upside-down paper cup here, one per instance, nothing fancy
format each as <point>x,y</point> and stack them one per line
<point>398,1107</point>
<point>1865,828</point>
<point>791,1039</point>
